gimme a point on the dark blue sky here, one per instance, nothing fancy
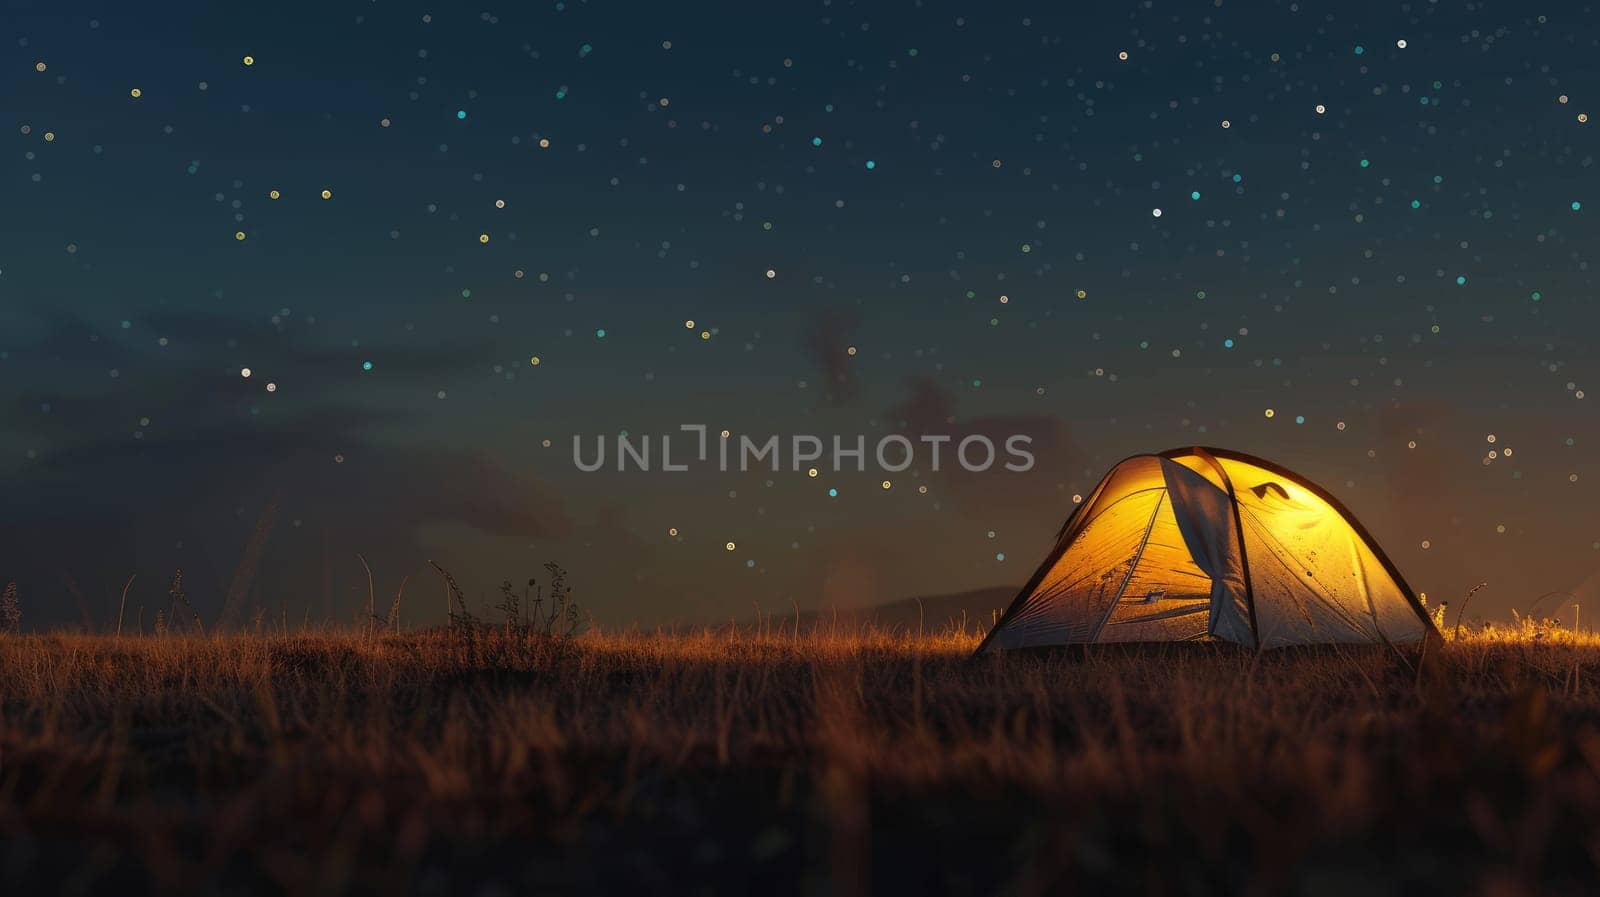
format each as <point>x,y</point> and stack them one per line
<point>1411,261</point>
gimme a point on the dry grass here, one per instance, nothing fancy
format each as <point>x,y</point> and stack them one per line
<point>844,763</point>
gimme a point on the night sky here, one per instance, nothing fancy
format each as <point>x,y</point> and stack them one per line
<point>1354,241</point>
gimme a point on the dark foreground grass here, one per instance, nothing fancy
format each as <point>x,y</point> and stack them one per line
<point>753,763</point>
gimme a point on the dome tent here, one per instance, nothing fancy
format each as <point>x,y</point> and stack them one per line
<point>1205,543</point>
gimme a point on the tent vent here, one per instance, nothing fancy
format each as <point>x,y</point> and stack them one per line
<point>1262,490</point>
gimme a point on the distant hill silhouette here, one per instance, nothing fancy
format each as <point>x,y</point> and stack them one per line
<point>974,610</point>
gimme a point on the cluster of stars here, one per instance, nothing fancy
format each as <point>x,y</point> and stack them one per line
<point>1341,284</point>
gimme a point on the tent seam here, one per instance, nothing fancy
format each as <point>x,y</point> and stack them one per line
<point>1063,544</point>
<point>1132,567</point>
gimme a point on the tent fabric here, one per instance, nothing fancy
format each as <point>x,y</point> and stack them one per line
<point>1201,543</point>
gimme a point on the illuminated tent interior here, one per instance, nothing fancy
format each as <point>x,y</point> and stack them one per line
<point>1195,544</point>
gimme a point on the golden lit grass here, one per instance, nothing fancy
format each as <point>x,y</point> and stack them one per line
<point>741,760</point>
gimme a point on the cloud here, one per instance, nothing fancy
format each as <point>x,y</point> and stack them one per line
<point>193,503</point>
<point>828,343</point>
<point>107,494</point>
<point>292,346</point>
<point>930,409</point>
<point>1418,478</point>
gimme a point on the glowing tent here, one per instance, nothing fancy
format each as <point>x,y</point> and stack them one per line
<point>1201,543</point>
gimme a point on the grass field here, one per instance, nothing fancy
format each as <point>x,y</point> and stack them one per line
<point>745,761</point>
